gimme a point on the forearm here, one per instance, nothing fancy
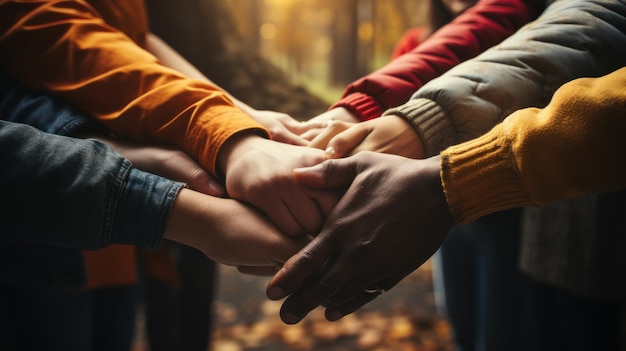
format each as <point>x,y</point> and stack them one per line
<point>77,193</point>
<point>228,231</point>
<point>572,147</point>
<point>195,221</point>
<point>480,27</point>
<point>74,54</point>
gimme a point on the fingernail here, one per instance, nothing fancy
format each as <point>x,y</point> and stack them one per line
<point>290,318</point>
<point>275,293</point>
<point>330,152</point>
<point>332,316</point>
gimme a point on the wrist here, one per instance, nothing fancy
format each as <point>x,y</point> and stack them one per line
<point>343,114</point>
<point>188,213</point>
<point>234,147</point>
<point>407,137</point>
<point>432,175</point>
<point>243,106</point>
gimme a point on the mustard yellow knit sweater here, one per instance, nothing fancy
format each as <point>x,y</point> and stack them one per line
<point>574,146</point>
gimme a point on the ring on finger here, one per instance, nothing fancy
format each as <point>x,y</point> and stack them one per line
<point>374,289</point>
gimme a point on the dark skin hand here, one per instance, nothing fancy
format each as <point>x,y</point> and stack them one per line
<point>392,217</point>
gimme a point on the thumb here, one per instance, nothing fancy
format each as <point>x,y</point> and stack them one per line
<point>328,175</point>
<point>343,143</point>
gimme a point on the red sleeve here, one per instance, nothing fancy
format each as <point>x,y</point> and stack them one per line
<point>480,27</point>
<point>411,39</point>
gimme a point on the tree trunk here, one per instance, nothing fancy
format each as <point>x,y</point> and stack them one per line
<point>345,42</point>
<point>204,33</point>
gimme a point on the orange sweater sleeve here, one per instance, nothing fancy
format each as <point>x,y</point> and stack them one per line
<point>66,48</point>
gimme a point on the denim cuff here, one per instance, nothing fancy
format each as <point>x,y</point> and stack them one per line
<point>142,210</point>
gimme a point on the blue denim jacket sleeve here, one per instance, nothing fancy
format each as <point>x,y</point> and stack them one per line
<point>44,112</point>
<point>70,196</point>
<point>77,193</point>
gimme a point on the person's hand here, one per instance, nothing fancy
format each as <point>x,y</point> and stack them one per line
<point>168,162</point>
<point>230,232</point>
<point>318,124</point>
<point>259,172</point>
<point>282,127</point>
<point>332,129</point>
<point>386,134</point>
<point>392,218</point>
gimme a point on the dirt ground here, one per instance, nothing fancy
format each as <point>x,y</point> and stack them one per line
<point>403,319</point>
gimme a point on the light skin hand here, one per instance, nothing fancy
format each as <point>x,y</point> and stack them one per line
<point>387,134</point>
<point>281,126</point>
<point>229,232</point>
<point>259,171</point>
<point>225,230</point>
<point>332,129</point>
<point>168,162</point>
<point>392,218</point>
<point>318,124</point>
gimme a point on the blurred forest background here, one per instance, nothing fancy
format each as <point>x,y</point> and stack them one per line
<point>260,50</point>
<point>326,44</point>
<point>297,56</point>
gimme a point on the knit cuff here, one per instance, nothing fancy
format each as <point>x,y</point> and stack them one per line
<point>481,177</point>
<point>363,106</point>
<point>430,122</point>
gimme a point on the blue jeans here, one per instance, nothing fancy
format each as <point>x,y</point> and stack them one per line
<point>483,287</point>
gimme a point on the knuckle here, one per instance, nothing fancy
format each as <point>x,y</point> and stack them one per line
<point>339,142</point>
<point>277,131</point>
<point>198,175</point>
<point>328,166</point>
<point>308,262</point>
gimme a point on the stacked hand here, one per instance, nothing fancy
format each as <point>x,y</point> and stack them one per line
<point>230,232</point>
<point>391,219</point>
<point>225,230</point>
<point>317,125</point>
<point>387,134</point>
<point>284,128</point>
<point>259,172</point>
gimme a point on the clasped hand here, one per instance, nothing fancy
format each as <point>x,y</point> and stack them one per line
<point>226,230</point>
<point>391,219</point>
<point>386,134</point>
<point>260,172</point>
